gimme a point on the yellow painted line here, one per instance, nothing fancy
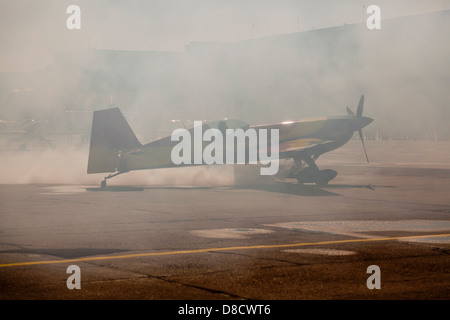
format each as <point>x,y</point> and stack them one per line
<point>153,254</point>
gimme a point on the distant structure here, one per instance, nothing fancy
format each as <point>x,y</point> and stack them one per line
<point>403,69</point>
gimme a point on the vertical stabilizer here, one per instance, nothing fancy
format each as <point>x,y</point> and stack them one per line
<point>111,135</point>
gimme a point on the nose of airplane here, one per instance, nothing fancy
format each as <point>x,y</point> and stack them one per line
<point>363,121</point>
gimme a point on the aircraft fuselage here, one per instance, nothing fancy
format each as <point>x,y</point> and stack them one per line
<point>336,131</point>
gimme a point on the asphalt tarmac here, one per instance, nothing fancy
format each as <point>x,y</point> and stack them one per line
<point>274,240</point>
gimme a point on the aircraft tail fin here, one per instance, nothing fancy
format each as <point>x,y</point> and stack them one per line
<point>111,135</point>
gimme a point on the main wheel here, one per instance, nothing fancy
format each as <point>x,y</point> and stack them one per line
<point>306,175</point>
<point>324,176</point>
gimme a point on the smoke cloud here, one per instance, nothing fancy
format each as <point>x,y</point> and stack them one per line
<point>167,63</point>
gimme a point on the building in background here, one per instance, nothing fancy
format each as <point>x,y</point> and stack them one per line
<point>403,69</point>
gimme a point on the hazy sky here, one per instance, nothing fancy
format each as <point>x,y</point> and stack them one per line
<point>32,31</point>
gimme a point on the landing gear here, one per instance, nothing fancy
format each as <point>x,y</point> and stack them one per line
<point>311,173</point>
<point>320,177</point>
<point>103,183</point>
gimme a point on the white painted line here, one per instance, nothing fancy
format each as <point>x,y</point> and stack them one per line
<point>363,228</point>
<point>229,233</point>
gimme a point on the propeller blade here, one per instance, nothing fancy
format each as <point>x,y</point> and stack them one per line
<point>364,147</point>
<point>359,110</point>
<point>350,112</point>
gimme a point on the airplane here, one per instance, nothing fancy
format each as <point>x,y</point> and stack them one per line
<point>25,132</point>
<point>114,148</point>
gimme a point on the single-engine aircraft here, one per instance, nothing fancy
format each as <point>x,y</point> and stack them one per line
<point>115,148</point>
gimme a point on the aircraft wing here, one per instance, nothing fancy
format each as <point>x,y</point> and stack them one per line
<point>291,147</point>
<point>299,144</point>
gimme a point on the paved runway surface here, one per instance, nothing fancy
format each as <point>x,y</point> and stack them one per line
<point>262,241</point>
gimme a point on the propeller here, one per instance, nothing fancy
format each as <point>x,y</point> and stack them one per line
<point>350,112</point>
<point>364,147</point>
<point>361,121</point>
<point>359,112</point>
